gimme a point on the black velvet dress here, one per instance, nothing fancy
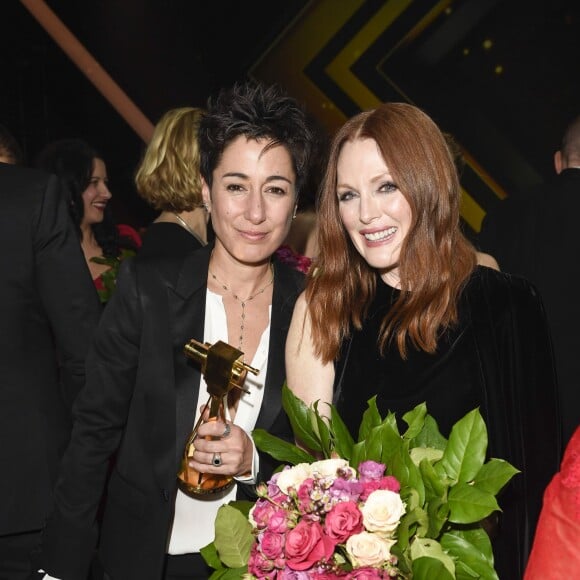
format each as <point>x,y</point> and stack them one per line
<point>498,358</point>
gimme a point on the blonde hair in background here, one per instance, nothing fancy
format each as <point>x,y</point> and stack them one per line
<point>168,177</point>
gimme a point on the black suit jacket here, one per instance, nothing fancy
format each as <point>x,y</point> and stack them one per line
<point>537,237</point>
<point>48,309</point>
<point>140,397</point>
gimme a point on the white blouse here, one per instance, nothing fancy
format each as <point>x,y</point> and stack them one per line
<point>193,523</point>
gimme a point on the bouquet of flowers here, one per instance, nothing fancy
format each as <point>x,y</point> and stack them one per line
<point>413,508</point>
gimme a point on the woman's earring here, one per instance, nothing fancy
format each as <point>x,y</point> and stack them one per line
<point>205,206</point>
<point>295,210</point>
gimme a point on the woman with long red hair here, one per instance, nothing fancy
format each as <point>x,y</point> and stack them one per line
<point>398,308</point>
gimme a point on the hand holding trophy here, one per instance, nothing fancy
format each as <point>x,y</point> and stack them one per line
<point>223,369</point>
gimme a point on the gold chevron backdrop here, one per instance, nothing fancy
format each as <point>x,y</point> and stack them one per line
<point>343,56</point>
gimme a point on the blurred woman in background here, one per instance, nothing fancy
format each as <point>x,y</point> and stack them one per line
<point>84,175</point>
<point>168,179</point>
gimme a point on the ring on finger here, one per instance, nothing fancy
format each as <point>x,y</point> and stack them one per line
<point>216,459</point>
<point>227,430</point>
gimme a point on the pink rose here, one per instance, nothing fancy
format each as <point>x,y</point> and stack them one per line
<point>371,471</point>
<point>288,574</point>
<point>261,513</point>
<point>391,483</point>
<point>306,545</point>
<point>272,545</point>
<point>342,521</point>
<point>274,492</point>
<point>326,575</point>
<point>278,522</point>
<point>304,500</point>
<point>259,565</point>
<point>365,574</point>
<point>388,482</point>
<point>368,488</point>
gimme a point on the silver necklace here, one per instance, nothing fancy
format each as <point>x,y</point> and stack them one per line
<point>243,302</point>
<point>186,226</point>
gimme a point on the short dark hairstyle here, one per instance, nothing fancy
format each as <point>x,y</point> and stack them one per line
<point>255,111</point>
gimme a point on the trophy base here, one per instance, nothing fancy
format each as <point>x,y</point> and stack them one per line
<point>194,483</point>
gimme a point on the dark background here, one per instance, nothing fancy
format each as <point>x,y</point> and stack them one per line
<point>170,53</point>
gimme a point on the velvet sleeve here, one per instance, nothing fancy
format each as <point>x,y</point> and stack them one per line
<point>517,364</point>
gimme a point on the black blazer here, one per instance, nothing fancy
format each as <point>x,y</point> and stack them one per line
<point>536,237</point>
<point>48,310</point>
<point>140,397</point>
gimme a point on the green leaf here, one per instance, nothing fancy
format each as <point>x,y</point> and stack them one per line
<point>300,418</point>
<point>210,555</point>
<point>233,537</point>
<point>465,451</point>
<point>407,473</point>
<point>371,418</point>
<point>464,572</point>
<point>430,569</point>
<point>493,475</point>
<point>415,420</point>
<point>472,549</point>
<point>343,441</point>
<point>426,548</point>
<point>279,449</point>
<point>430,436</point>
<point>392,443</point>
<point>243,506</point>
<point>428,453</point>
<point>229,574</point>
<point>391,421</point>
<point>374,443</point>
<point>434,486</point>
<point>359,453</point>
<point>323,433</point>
<point>438,512</point>
<point>468,505</point>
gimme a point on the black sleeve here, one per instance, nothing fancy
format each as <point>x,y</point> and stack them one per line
<point>100,414</point>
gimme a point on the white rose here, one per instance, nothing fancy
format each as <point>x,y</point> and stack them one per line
<point>382,512</point>
<point>367,549</point>
<point>293,477</point>
<point>329,467</point>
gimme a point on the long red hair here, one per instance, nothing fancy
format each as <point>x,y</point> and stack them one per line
<point>435,258</point>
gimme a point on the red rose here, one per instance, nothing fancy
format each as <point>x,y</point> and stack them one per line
<point>343,520</point>
<point>306,545</point>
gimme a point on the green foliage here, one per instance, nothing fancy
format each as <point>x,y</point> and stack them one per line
<point>447,485</point>
<point>233,539</point>
<point>109,277</point>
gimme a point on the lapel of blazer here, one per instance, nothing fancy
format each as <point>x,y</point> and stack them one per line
<point>287,286</point>
<point>187,313</point>
<point>187,318</point>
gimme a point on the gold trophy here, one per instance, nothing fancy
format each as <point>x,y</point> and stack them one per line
<point>223,369</point>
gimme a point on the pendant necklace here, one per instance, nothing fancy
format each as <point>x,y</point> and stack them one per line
<point>186,226</point>
<point>243,302</point>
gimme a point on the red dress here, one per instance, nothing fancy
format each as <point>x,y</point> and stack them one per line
<point>556,551</point>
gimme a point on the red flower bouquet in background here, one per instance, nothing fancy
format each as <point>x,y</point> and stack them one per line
<point>413,510</point>
<point>322,520</point>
